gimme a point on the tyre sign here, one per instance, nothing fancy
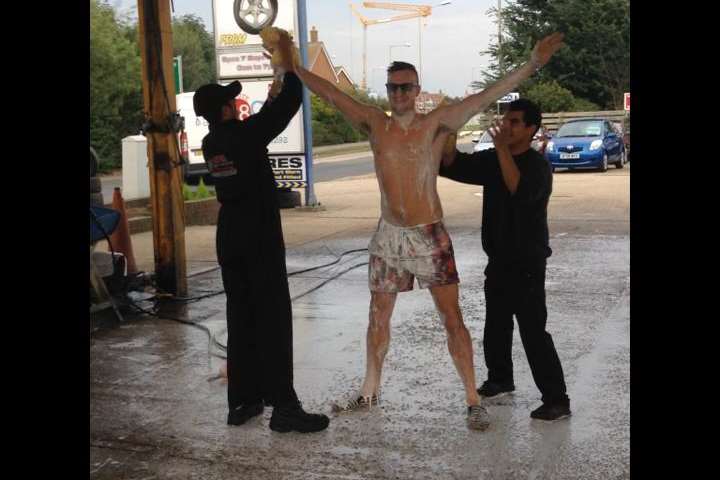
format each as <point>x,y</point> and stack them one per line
<point>238,22</point>
<point>239,54</point>
<point>254,15</point>
<point>243,64</point>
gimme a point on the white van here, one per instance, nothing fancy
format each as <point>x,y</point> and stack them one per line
<point>195,129</point>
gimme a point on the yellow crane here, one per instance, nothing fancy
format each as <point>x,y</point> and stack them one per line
<point>417,11</point>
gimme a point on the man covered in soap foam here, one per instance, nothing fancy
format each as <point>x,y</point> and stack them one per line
<point>411,241</point>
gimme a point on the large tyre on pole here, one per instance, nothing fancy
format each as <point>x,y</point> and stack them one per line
<point>254,15</point>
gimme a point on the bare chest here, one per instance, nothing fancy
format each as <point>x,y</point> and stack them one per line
<point>393,144</point>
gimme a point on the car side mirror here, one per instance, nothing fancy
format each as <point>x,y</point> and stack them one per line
<point>476,140</point>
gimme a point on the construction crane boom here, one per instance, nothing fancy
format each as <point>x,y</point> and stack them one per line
<point>418,11</point>
<point>359,15</point>
<point>424,10</point>
<point>400,17</point>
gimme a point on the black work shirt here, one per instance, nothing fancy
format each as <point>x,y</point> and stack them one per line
<point>235,151</point>
<point>236,155</point>
<point>514,226</point>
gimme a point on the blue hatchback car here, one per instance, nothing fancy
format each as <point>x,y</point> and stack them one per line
<point>586,143</point>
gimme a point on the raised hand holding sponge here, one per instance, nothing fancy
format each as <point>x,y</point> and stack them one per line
<point>279,43</point>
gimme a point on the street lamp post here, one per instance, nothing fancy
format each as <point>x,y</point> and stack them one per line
<point>418,11</point>
<point>372,78</point>
<point>406,44</point>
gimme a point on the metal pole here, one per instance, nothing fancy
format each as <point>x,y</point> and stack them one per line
<point>310,200</point>
<point>364,81</point>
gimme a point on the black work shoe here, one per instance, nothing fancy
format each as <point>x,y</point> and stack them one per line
<point>293,417</point>
<point>495,390</point>
<point>243,413</point>
<point>552,411</point>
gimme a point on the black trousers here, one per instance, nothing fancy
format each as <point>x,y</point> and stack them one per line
<point>520,290</point>
<point>259,311</point>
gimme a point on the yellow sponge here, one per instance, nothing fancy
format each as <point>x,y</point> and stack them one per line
<point>271,38</point>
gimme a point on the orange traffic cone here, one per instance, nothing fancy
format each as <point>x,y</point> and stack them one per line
<point>120,238</point>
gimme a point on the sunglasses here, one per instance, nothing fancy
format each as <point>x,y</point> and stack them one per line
<point>403,87</point>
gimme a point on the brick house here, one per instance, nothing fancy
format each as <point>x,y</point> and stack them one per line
<point>320,63</point>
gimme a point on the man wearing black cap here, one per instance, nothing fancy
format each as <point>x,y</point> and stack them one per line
<point>251,252</point>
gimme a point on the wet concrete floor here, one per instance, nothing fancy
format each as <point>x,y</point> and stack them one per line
<point>156,415</point>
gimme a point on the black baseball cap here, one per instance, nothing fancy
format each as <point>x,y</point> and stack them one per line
<point>209,98</point>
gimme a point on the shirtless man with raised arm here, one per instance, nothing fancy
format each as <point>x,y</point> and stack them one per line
<point>411,240</point>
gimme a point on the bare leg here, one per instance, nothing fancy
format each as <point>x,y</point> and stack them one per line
<point>459,342</point>
<point>378,339</point>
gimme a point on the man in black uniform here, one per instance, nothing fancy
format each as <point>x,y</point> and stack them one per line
<point>251,252</point>
<point>517,184</point>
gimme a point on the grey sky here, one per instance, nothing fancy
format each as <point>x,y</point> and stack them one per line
<point>451,39</point>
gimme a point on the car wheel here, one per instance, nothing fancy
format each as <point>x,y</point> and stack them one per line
<point>248,13</point>
<point>621,163</point>
<point>604,165</point>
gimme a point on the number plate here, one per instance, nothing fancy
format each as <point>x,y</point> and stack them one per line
<point>569,156</point>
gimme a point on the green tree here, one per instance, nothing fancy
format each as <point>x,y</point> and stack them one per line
<point>116,97</point>
<point>115,83</point>
<point>582,105</point>
<point>551,97</point>
<point>197,47</point>
<point>595,66</point>
<point>330,127</point>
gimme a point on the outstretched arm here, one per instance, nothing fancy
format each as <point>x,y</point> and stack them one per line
<point>455,116</point>
<point>359,114</point>
<point>276,113</point>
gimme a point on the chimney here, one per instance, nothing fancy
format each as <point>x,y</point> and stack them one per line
<point>313,35</point>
